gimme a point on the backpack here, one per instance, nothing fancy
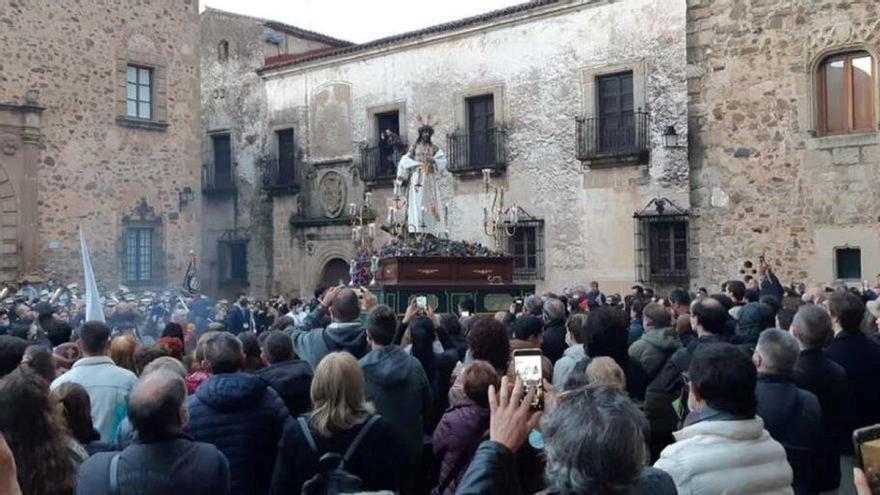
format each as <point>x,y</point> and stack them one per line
<point>332,478</point>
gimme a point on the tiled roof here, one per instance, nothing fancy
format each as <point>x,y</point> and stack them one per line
<point>437,29</point>
<point>285,28</point>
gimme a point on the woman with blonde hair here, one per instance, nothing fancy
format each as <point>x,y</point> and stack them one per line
<point>122,350</point>
<point>341,426</point>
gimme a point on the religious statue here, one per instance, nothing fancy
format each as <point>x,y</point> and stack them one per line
<point>419,168</point>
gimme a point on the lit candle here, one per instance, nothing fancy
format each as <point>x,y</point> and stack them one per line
<point>372,228</point>
<point>352,209</point>
<point>391,215</point>
<point>354,234</point>
<point>374,264</point>
<point>487,175</point>
<point>367,197</point>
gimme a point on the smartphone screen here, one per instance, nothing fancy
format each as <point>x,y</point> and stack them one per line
<point>527,364</point>
<point>867,444</point>
<point>422,302</point>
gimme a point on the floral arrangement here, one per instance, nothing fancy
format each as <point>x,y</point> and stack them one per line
<point>414,246</point>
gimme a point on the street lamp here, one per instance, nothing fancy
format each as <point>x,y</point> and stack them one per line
<point>670,137</point>
<point>184,197</point>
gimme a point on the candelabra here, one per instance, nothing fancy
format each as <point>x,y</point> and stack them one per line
<point>363,233</point>
<point>498,221</point>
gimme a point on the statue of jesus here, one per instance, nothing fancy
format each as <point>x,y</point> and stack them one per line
<point>419,167</point>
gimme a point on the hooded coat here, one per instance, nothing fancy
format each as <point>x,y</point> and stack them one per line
<point>397,385</point>
<point>243,417</point>
<point>313,345</point>
<point>754,318</point>
<point>654,347</point>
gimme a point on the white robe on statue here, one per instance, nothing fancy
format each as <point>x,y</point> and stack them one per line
<point>424,213</point>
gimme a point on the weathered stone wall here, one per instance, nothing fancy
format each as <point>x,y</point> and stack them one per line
<point>763,183</point>
<point>92,171</point>
<point>234,101</point>
<point>541,69</point>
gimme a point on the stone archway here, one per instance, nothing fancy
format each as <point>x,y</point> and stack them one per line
<point>334,271</point>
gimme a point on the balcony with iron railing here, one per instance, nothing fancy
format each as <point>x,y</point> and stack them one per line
<point>280,176</point>
<point>379,162</point>
<point>470,152</point>
<point>217,182</point>
<point>614,140</point>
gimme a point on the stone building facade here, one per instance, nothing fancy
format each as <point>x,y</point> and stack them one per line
<point>99,129</point>
<point>785,147</point>
<point>237,183</point>
<point>567,101</point>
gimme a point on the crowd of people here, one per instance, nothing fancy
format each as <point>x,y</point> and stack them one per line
<point>754,389</point>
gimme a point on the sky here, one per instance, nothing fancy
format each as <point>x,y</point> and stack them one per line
<point>360,20</point>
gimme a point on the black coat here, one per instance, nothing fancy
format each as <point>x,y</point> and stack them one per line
<point>175,465</point>
<point>860,357</point>
<point>376,461</point>
<point>554,341</point>
<point>244,418</point>
<point>664,389</point>
<point>292,380</point>
<point>793,418</point>
<point>493,471</point>
<point>827,380</point>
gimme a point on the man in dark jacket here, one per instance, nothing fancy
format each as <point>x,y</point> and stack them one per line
<point>581,453</point>
<point>826,379</point>
<point>708,318</point>
<point>163,459</point>
<point>240,318</point>
<point>344,333</point>
<point>240,414</point>
<point>290,377</point>
<point>857,354</point>
<point>554,330</point>
<point>395,381</point>
<point>792,416</point>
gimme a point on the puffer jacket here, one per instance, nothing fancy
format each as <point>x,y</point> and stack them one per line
<point>734,457</point>
<point>456,438</point>
<point>653,349</point>
<point>243,417</point>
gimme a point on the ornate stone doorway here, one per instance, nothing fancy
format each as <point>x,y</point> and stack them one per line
<point>334,271</point>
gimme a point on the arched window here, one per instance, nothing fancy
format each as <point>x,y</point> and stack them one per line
<point>223,51</point>
<point>847,93</point>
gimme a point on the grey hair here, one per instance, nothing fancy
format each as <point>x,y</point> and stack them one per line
<point>533,305</point>
<point>223,353</point>
<point>778,349</point>
<point>166,363</point>
<point>812,326</point>
<point>554,310</point>
<point>155,404</point>
<point>595,442</point>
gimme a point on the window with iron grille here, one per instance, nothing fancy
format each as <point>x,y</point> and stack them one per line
<point>139,92</point>
<point>661,242</point>
<point>526,245</point>
<point>233,261</point>
<point>848,263</point>
<point>139,254</point>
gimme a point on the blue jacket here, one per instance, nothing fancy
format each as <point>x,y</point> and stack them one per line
<point>244,417</point>
<point>397,385</point>
<point>175,465</point>
<point>312,345</point>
